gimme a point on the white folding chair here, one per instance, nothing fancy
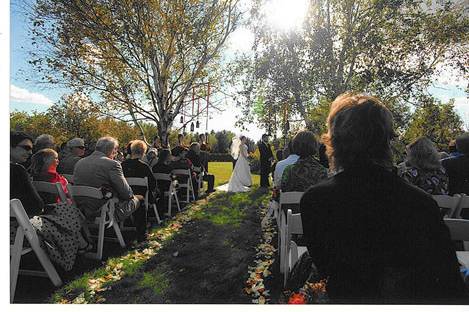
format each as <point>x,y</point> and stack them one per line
<point>448,204</point>
<point>171,192</point>
<point>51,188</point>
<point>25,229</point>
<point>292,251</point>
<point>132,181</point>
<point>286,198</point>
<point>106,217</point>
<point>200,179</point>
<point>459,230</point>
<point>463,206</point>
<point>69,177</point>
<point>185,174</point>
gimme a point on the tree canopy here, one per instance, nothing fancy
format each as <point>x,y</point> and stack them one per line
<point>392,49</point>
<point>137,59</point>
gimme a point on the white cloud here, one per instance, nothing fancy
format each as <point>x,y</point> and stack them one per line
<point>25,96</point>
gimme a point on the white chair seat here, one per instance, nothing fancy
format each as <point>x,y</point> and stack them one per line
<point>463,258</point>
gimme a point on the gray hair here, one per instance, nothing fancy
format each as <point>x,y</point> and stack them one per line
<point>106,145</point>
<point>44,141</point>
<point>422,153</point>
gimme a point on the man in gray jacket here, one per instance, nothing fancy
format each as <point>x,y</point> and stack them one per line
<point>100,169</point>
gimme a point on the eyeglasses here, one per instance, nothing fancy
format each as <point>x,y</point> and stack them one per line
<point>80,147</point>
<point>26,147</point>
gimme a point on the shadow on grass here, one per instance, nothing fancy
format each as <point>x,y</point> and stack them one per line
<point>205,262</point>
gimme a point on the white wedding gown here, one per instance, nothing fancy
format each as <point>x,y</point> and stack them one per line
<point>240,180</point>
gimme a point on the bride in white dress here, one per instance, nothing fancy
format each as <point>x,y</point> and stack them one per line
<point>240,180</point>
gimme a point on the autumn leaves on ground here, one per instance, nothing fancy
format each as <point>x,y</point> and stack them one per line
<point>216,251</point>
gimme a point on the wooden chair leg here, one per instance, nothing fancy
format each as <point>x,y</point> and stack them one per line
<point>156,214</point>
<point>118,234</point>
<point>99,251</point>
<point>15,254</point>
<point>48,266</point>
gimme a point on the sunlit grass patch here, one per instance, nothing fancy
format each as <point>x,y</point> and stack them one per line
<point>222,172</point>
<point>157,281</point>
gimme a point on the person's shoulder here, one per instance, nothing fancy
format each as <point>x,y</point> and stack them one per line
<point>15,167</point>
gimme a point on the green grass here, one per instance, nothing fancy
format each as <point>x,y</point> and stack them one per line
<point>222,172</point>
<point>156,280</point>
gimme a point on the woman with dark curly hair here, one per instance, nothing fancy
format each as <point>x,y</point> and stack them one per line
<point>375,237</point>
<point>425,170</point>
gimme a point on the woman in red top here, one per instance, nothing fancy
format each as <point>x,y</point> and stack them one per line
<point>44,168</point>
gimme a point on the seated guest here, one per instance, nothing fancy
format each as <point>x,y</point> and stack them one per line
<point>44,141</point>
<point>306,171</point>
<point>21,146</point>
<point>61,228</point>
<point>44,168</point>
<point>291,158</point>
<point>375,237</point>
<point>156,142</point>
<point>182,162</point>
<point>179,146</point>
<point>151,158</point>
<point>204,149</point>
<point>194,157</point>
<point>163,166</point>
<point>457,168</point>
<point>425,170</point>
<point>135,167</point>
<point>101,170</point>
<point>453,150</point>
<point>74,151</point>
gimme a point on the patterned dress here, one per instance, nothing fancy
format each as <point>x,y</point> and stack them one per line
<point>300,176</point>
<point>434,182</point>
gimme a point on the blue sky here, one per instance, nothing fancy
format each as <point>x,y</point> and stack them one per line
<point>27,96</point>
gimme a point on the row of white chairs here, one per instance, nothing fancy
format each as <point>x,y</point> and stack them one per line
<point>290,224</point>
<point>105,219</point>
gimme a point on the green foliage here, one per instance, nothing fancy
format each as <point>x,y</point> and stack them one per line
<point>223,141</point>
<point>391,49</point>
<point>435,120</point>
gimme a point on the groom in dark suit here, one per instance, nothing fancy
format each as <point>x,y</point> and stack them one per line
<point>266,158</point>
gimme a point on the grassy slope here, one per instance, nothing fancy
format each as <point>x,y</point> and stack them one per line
<point>222,172</point>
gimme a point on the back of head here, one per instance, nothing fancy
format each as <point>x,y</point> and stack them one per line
<point>42,160</point>
<point>138,148</point>
<point>44,141</point>
<point>106,145</point>
<point>360,130</point>
<point>195,147</point>
<point>305,144</point>
<point>163,155</point>
<point>462,143</point>
<point>422,154</point>
<point>17,136</point>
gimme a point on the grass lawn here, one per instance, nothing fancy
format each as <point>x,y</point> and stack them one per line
<point>222,172</point>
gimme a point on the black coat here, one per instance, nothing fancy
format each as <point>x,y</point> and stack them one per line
<point>265,156</point>
<point>379,239</point>
<point>457,169</point>
<point>138,169</point>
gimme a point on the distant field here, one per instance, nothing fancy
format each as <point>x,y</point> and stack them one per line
<point>222,172</point>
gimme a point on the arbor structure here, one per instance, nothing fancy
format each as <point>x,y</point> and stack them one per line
<point>137,59</point>
<point>392,49</point>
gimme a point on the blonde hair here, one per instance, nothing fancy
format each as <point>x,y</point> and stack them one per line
<point>41,160</point>
<point>138,147</point>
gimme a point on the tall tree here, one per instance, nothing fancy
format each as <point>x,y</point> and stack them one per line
<point>140,58</point>
<point>389,48</point>
<point>435,120</point>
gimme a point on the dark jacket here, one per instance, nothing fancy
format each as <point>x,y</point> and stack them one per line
<point>22,189</point>
<point>265,155</point>
<point>379,239</point>
<point>457,169</point>
<point>138,169</point>
<point>67,164</point>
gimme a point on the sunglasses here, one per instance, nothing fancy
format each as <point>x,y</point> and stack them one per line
<point>26,147</point>
<point>80,147</point>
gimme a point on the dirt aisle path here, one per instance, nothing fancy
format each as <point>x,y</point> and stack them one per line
<point>205,262</point>
<point>201,256</point>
